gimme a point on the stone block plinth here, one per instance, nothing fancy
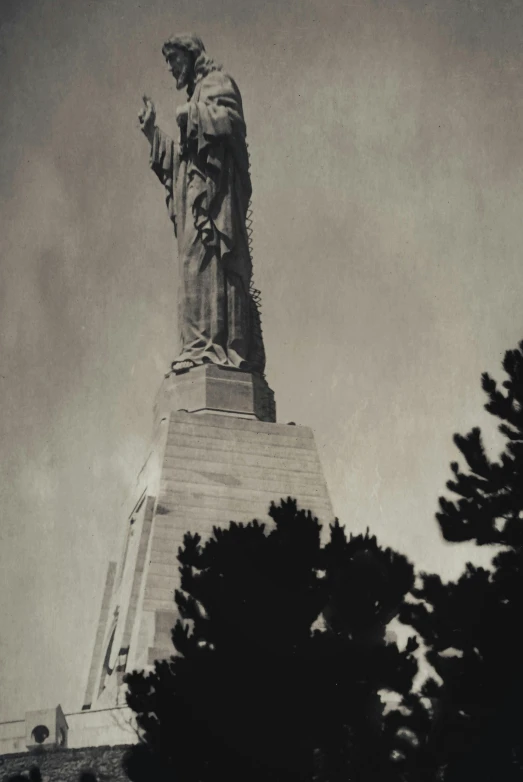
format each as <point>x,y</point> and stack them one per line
<point>213,389</point>
<point>46,728</point>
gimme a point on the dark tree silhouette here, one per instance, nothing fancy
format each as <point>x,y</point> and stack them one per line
<point>238,701</point>
<point>472,627</point>
<point>259,688</point>
<point>490,493</point>
<point>367,586</point>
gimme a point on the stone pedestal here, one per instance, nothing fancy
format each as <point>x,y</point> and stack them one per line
<point>217,456</point>
<point>214,389</point>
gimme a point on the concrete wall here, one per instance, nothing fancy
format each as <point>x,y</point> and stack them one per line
<point>99,728</point>
<point>107,727</point>
<point>12,737</point>
<point>66,765</point>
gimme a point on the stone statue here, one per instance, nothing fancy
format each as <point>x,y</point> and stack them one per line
<point>206,176</point>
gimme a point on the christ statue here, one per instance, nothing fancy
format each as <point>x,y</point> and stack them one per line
<point>205,173</point>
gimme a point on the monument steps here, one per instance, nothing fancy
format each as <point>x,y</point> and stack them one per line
<point>184,517</point>
<point>156,593</point>
<point>162,569</point>
<point>164,557</point>
<point>191,493</point>
<point>153,605</point>
<point>177,443</point>
<point>165,620</point>
<point>247,464</point>
<point>221,423</point>
<point>248,507</point>
<point>218,435</point>
<point>156,581</point>
<point>159,653</point>
<point>166,546</point>
<point>164,638</point>
<point>281,449</point>
<point>223,480</point>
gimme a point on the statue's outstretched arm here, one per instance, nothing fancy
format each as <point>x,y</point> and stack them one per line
<point>147,118</point>
<point>163,157</point>
<point>162,147</point>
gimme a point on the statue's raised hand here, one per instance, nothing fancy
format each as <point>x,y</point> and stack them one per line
<point>147,118</point>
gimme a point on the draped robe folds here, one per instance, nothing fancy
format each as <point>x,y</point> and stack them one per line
<point>208,187</point>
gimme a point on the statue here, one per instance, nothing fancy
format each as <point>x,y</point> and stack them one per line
<point>206,178</point>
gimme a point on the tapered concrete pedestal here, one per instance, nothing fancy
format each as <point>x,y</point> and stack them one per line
<point>216,464</point>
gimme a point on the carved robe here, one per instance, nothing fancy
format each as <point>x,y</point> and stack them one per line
<point>208,188</point>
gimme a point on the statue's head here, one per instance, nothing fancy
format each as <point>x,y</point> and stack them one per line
<point>187,59</point>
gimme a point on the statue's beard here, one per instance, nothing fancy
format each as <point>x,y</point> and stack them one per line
<point>184,78</point>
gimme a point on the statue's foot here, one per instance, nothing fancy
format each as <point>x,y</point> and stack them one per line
<point>178,367</point>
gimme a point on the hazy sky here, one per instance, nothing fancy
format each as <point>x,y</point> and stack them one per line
<point>386,158</point>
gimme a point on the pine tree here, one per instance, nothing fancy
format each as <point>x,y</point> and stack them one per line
<point>473,628</point>
<point>238,699</point>
<point>490,508</point>
<point>367,586</point>
<point>473,637</point>
<point>281,653</point>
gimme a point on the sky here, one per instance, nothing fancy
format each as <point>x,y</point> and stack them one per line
<point>386,153</point>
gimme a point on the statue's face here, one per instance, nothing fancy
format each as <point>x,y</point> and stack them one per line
<point>179,63</point>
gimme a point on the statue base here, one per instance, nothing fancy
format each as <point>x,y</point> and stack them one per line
<point>211,388</point>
